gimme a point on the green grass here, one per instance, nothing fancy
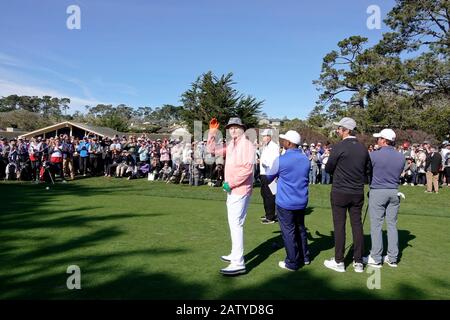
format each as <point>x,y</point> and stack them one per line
<point>148,240</point>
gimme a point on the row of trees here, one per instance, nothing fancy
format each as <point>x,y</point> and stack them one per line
<point>208,96</point>
<point>401,82</point>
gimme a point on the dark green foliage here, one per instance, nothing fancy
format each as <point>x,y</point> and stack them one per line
<point>212,96</point>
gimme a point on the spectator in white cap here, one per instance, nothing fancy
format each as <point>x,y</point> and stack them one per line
<point>384,202</point>
<point>270,153</point>
<point>349,164</point>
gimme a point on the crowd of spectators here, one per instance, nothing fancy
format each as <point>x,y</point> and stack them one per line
<point>174,161</point>
<point>63,158</point>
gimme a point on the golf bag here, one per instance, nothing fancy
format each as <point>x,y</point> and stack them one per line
<point>153,175</point>
<point>176,175</point>
<point>45,173</point>
<point>142,170</point>
<point>24,171</point>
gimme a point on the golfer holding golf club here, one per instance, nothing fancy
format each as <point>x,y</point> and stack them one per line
<point>384,199</point>
<point>239,163</point>
<point>349,163</point>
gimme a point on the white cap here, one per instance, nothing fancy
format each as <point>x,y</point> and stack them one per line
<point>387,134</point>
<point>346,122</point>
<point>266,132</point>
<point>292,136</point>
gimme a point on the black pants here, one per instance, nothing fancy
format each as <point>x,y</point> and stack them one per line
<point>57,168</point>
<point>35,167</point>
<point>340,203</point>
<point>107,161</point>
<point>268,199</point>
<point>83,165</point>
<point>3,165</point>
<point>447,175</point>
<point>94,164</point>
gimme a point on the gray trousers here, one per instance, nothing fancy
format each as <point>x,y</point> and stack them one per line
<point>383,203</point>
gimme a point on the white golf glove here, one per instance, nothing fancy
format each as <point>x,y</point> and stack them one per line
<point>400,194</point>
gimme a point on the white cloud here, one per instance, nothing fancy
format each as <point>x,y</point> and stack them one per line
<point>8,60</point>
<point>76,103</point>
<point>16,79</point>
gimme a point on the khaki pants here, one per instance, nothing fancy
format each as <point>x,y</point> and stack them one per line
<point>68,167</point>
<point>432,180</point>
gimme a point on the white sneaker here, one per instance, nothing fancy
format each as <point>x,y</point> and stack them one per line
<point>358,267</point>
<point>370,262</point>
<point>332,264</point>
<point>390,264</point>
<point>412,184</point>
<point>232,270</point>
<point>405,184</point>
<point>282,265</point>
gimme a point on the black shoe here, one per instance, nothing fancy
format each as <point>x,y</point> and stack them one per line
<point>267,221</point>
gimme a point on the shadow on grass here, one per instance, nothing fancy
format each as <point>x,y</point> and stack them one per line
<point>40,272</point>
<point>404,237</point>
<point>263,251</point>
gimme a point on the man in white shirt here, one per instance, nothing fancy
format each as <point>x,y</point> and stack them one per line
<point>445,153</point>
<point>270,152</point>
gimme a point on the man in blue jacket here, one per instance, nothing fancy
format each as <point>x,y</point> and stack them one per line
<point>292,171</point>
<point>83,148</point>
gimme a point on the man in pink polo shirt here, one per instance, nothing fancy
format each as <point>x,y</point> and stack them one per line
<point>239,155</point>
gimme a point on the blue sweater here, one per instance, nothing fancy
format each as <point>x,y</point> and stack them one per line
<point>83,149</point>
<point>293,177</point>
<point>387,165</point>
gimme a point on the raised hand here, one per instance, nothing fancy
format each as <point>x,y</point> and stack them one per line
<point>213,124</point>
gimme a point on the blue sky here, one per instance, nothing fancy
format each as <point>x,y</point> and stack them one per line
<point>147,53</point>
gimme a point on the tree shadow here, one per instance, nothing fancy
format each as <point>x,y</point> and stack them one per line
<point>38,270</point>
<point>305,284</point>
<point>404,237</point>
<point>319,243</point>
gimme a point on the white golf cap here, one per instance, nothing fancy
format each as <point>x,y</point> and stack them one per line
<point>387,134</point>
<point>267,132</point>
<point>292,136</point>
<point>346,122</point>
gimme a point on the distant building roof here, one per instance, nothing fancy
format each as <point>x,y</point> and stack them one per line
<point>100,131</point>
<point>11,134</point>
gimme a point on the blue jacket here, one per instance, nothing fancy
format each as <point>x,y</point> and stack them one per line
<point>83,149</point>
<point>292,171</point>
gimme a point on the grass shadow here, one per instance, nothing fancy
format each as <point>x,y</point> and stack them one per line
<point>263,251</point>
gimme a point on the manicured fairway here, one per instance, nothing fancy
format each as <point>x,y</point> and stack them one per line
<point>148,240</point>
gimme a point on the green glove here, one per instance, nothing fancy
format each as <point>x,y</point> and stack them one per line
<point>226,187</point>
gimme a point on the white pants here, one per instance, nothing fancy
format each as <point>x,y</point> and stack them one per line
<point>237,211</point>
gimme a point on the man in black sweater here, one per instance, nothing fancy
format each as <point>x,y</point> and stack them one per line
<point>349,163</point>
<point>433,165</point>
